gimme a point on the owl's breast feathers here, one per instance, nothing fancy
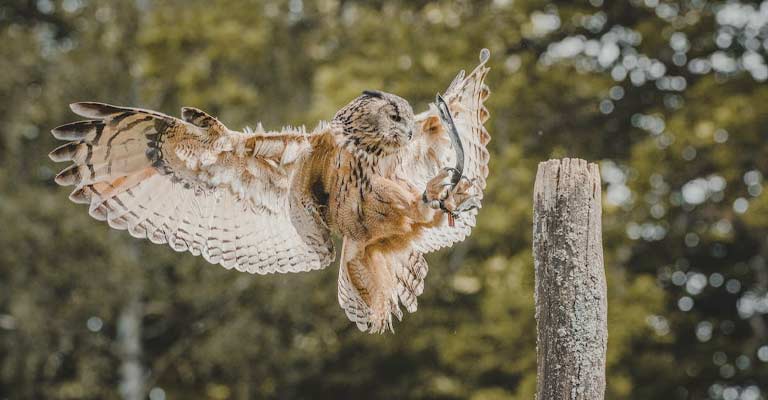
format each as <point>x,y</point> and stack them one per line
<point>340,179</point>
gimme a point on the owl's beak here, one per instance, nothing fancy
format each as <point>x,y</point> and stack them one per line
<point>410,134</point>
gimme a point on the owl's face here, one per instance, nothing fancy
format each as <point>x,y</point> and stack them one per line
<point>376,122</point>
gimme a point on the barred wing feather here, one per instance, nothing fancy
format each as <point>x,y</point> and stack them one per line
<point>432,150</point>
<point>195,185</point>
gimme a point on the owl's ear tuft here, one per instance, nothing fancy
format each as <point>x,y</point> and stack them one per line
<point>373,93</point>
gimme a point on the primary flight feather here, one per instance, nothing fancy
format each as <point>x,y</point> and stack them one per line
<point>263,202</point>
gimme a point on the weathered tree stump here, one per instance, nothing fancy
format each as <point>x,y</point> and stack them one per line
<point>571,299</point>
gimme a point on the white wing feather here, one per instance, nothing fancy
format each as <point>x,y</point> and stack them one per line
<point>195,185</point>
<point>432,150</point>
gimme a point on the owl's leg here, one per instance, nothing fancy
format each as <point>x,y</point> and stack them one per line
<point>401,211</point>
<point>368,286</point>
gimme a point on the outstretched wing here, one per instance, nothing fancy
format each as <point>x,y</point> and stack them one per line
<point>196,186</point>
<point>432,150</point>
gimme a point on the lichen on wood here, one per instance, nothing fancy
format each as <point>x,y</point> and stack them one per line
<point>571,299</point>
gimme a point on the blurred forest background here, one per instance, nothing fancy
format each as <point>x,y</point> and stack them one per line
<point>669,96</point>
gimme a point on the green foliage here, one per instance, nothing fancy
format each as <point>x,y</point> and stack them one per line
<point>207,332</point>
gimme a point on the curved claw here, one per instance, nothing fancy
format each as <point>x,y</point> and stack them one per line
<point>455,175</point>
<point>445,200</point>
<point>453,170</point>
<point>468,205</point>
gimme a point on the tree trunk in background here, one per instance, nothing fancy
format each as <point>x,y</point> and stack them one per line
<point>571,300</point>
<point>132,374</point>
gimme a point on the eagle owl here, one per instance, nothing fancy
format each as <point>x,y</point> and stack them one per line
<point>269,201</point>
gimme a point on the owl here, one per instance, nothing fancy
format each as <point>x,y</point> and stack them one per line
<point>376,175</point>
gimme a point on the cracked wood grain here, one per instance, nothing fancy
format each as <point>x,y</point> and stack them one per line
<point>570,296</point>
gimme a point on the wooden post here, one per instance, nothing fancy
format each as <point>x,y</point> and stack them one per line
<point>571,300</point>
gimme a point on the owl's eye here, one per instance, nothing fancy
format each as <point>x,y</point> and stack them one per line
<point>395,117</point>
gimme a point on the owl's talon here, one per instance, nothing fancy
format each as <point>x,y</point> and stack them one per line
<point>454,197</point>
<point>471,203</point>
<point>455,175</point>
<point>452,170</point>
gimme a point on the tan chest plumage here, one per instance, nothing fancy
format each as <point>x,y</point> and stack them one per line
<point>356,203</point>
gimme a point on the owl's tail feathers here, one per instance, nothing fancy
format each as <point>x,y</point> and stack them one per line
<point>374,282</point>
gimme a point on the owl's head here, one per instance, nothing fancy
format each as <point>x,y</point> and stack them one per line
<point>376,122</point>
